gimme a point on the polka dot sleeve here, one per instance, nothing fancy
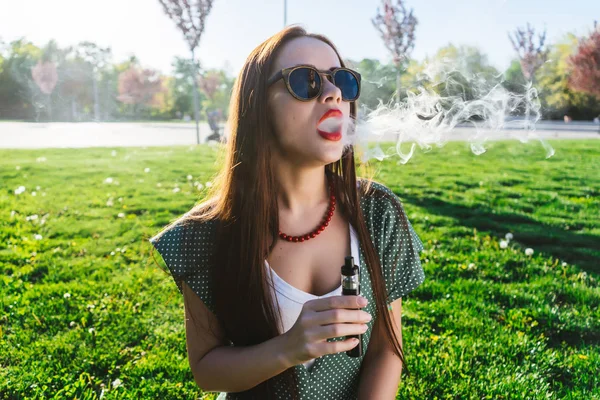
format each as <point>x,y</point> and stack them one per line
<point>401,247</point>
<point>397,243</point>
<point>186,250</point>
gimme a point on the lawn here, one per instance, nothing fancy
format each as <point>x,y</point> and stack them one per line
<point>87,313</point>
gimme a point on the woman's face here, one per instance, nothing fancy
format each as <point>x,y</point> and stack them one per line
<point>301,135</point>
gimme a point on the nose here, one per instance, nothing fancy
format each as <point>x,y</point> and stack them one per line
<point>331,93</point>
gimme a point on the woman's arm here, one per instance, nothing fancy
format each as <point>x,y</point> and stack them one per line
<point>235,369</point>
<point>381,368</point>
<point>215,365</point>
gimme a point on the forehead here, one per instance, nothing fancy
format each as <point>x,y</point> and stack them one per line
<point>306,50</point>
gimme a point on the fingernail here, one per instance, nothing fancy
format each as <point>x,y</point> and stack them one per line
<point>362,301</point>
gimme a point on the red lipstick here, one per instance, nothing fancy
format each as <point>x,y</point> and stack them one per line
<point>335,135</point>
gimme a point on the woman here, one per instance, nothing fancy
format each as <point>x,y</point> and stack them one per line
<point>259,262</point>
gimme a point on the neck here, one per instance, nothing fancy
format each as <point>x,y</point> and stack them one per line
<point>301,189</point>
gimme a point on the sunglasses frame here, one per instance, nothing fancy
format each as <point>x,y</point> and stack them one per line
<point>330,75</point>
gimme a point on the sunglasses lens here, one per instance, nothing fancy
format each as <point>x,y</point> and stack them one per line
<point>348,84</point>
<point>305,82</point>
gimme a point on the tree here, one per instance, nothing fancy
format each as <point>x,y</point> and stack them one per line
<point>531,55</point>
<point>376,85</point>
<point>556,95</point>
<point>139,87</point>
<point>216,85</point>
<point>45,77</point>
<point>396,26</point>
<point>96,59</point>
<point>16,83</point>
<point>585,66</point>
<point>191,20</point>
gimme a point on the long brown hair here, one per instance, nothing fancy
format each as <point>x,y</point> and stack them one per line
<point>244,202</point>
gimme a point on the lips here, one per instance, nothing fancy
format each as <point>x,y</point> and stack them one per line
<point>333,113</point>
<point>335,135</point>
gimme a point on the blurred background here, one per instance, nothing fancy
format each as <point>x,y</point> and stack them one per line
<point>112,122</point>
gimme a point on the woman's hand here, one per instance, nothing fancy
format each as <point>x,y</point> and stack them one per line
<point>325,318</point>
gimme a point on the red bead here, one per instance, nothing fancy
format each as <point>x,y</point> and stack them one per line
<point>328,219</point>
<point>326,224</point>
<point>312,235</point>
<point>295,239</point>
<point>283,236</point>
<point>330,214</point>
<point>301,239</point>
<point>290,239</point>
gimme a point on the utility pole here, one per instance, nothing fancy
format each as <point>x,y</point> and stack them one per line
<point>284,13</point>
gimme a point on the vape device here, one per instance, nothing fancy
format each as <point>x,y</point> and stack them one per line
<point>351,286</point>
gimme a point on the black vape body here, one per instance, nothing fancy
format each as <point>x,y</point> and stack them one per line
<point>351,286</point>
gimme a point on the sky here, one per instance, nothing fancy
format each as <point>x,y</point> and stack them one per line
<point>235,27</point>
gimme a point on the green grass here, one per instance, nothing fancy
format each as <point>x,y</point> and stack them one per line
<point>487,323</point>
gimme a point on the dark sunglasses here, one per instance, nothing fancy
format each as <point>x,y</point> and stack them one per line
<point>304,82</point>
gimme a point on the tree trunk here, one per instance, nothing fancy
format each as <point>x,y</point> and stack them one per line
<point>398,86</point>
<point>194,78</point>
<point>96,101</point>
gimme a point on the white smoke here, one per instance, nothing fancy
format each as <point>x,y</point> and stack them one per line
<point>470,107</point>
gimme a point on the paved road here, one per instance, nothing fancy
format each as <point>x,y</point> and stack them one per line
<point>56,135</point>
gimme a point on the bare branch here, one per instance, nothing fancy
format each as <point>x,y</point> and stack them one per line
<point>531,55</point>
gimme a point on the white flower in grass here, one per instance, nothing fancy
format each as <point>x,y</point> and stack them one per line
<point>503,244</point>
<point>91,331</point>
<point>509,236</point>
<point>41,159</point>
<point>176,189</point>
<point>116,383</point>
<point>120,199</point>
<point>121,215</point>
<point>200,186</point>
<point>110,203</point>
<point>528,251</point>
<point>159,184</point>
<point>33,193</point>
<point>31,217</point>
<point>146,170</point>
<point>90,307</point>
<point>113,153</point>
<point>564,264</point>
<point>20,190</point>
<point>208,184</point>
<point>189,177</point>
<point>109,180</point>
<point>37,236</point>
<point>72,324</point>
<point>112,253</point>
<point>44,194</point>
<point>12,213</point>
<point>67,295</point>
<point>18,168</point>
<point>37,188</point>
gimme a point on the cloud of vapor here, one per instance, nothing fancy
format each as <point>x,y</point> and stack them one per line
<point>447,104</point>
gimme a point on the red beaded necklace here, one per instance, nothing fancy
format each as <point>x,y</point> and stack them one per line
<point>321,228</point>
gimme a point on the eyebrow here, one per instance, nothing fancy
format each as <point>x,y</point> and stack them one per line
<point>311,65</point>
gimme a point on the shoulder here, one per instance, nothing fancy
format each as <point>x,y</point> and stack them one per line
<point>186,243</point>
<point>379,202</point>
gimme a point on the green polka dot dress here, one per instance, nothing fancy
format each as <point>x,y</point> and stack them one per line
<point>333,376</point>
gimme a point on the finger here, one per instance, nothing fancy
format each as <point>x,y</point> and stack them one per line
<point>340,315</point>
<point>338,346</point>
<point>339,330</point>
<point>335,302</point>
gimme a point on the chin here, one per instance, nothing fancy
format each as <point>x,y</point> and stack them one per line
<point>331,155</point>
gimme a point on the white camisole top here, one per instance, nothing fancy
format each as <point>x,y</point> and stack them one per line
<point>292,299</point>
